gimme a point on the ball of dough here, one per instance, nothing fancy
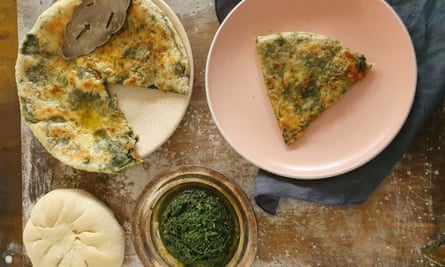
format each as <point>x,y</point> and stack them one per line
<point>71,227</point>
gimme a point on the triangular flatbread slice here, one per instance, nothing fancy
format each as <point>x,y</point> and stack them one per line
<point>304,74</point>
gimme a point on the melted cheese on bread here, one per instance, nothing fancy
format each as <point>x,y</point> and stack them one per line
<point>305,73</point>
<point>65,101</point>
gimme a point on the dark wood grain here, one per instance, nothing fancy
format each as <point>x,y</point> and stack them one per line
<point>10,178</point>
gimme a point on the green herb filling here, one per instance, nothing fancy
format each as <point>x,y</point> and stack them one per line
<point>198,229</point>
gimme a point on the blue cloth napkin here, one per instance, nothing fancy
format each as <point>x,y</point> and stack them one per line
<point>425,21</point>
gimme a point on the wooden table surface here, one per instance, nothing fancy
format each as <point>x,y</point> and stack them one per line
<point>403,216</point>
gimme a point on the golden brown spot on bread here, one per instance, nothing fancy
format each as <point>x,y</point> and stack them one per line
<point>55,90</point>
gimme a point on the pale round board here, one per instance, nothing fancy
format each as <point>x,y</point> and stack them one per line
<point>154,115</point>
<point>348,134</point>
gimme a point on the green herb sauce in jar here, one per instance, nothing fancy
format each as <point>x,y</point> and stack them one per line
<point>197,229</point>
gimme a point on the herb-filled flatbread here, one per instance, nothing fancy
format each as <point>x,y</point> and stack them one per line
<point>65,102</point>
<point>305,73</point>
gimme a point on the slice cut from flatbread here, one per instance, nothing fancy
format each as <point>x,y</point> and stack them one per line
<point>305,73</point>
<point>65,102</point>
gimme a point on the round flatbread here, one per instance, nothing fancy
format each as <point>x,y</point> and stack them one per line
<point>65,102</point>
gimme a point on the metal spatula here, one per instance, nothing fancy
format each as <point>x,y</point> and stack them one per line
<point>92,24</point>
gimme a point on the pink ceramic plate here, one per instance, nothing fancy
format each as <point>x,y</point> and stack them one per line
<point>352,131</point>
